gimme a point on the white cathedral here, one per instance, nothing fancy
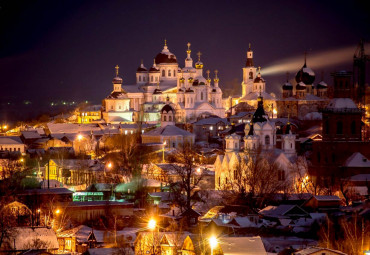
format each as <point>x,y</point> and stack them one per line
<point>189,93</point>
<point>260,134</point>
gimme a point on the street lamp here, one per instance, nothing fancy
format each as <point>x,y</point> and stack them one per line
<point>274,112</point>
<point>164,144</point>
<point>151,225</point>
<point>80,137</point>
<point>213,243</point>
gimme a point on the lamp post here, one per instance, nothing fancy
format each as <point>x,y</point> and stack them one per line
<point>164,144</point>
<point>151,225</point>
<point>213,243</point>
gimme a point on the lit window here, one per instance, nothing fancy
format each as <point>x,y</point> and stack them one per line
<point>211,128</point>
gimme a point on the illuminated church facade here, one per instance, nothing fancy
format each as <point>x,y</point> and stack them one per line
<point>189,93</point>
<point>253,86</point>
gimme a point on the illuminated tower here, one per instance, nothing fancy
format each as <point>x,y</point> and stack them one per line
<point>249,73</point>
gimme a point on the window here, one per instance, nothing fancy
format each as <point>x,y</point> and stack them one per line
<point>169,73</point>
<point>139,78</point>
<point>251,75</point>
<point>169,118</point>
<point>163,73</point>
<point>236,145</point>
<point>156,78</point>
<point>267,139</point>
<point>353,128</point>
<point>281,175</point>
<point>151,78</point>
<point>164,118</point>
<point>174,72</point>
<point>339,127</point>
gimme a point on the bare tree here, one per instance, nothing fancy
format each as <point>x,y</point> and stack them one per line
<point>256,175</point>
<point>186,169</point>
<point>348,235</point>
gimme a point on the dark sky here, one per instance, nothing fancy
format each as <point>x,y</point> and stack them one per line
<point>53,50</point>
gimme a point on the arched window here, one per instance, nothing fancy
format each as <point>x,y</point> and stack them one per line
<point>163,73</point>
<point>353,127</point>
<point>267,139</point>
<point>251,75</point>
<point>164,118</point>
<point>170,118</point>
<point>291,145</point>
<point>169,73</point>
<point>339,127</point>
<point>151,78</point>
<point>139,78</point>
<point>201,95</point>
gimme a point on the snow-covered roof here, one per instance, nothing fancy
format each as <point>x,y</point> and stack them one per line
<point>10,140</point>
<point>281,210</point>
<point>357,160</point>
<point>313,116</point>
<point>327,198</point>
<point>24,238</point>
<point>255,95</point>
<point>31,134</point>
<point>212,121</point>
<point>169,130</point>
<point>342,103</point>
<point>71,128</point>
<point>82,232</point>
<point>242,245</point>
<point>360,177</point>
<point>317,250</point>
<point>308,70</point>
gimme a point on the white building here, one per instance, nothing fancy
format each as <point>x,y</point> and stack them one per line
<point>12,144</point>
<point>191,95</point>
<point>260,133</point>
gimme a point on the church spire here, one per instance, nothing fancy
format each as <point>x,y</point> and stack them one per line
<point>188,51</point>
<point>249,62</point>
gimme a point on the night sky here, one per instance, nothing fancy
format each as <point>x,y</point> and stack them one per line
<point>67,50</point>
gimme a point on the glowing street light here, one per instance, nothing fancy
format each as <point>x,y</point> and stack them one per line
<point>109,165</point>
<point>198,170</point>
<point>152,224</point>
<point>213,243</point>
<point>80,137</point>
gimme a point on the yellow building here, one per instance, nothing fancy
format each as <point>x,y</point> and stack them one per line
<point>88,114</point>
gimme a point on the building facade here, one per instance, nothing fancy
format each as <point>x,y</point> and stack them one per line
<point>191,95</point>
